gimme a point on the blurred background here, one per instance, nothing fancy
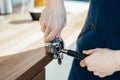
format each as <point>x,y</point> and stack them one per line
<point>15,2</point>
<point>13,6</point>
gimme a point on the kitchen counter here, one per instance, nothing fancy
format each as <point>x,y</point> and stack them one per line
<point>22,53</point>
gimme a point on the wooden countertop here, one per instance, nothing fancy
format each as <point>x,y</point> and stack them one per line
<point>21,44</point>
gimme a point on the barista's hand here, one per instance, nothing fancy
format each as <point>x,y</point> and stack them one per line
<point>102,62</point>
<point>52,20</point>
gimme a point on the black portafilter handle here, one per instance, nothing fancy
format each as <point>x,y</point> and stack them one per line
<point>77,55</point>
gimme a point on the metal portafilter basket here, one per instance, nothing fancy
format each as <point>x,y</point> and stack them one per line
<point>56,48</point>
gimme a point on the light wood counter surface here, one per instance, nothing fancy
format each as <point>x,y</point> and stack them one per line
<point>21,45</point>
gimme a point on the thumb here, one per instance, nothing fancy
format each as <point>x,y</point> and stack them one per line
<point>88,52</point>
<point>82,63</point>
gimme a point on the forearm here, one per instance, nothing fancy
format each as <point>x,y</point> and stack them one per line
<point>54,3</point>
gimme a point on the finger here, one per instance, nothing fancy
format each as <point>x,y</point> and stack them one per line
<point>82,63</point>
<point>98,49</point>
<point>89,68</point>
<point>96,73</point>
<point>52,35</point>
<point>43,27</point>
<point>110,73</point>
<point>101,75</point>
<point>88,52</point>
<point>58,35</point>
<point>41,24</point>
<point>47,32</point>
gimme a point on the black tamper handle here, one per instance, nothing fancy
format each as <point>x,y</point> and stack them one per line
<point>77,55</point>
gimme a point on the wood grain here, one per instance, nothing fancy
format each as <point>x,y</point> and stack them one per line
<point>38,67</point>
<point>21,49</point>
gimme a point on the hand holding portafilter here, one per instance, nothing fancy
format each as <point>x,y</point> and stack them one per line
<point>56,47</point>
<point>53,19</point>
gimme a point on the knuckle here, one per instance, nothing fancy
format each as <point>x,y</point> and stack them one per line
<point>106,49</point>
<point>49,39</point>
<point>101,76</point>
<point>90,69</point>
<point>95,73</point>
<point>111,73</point>
<point>81,62</point>
<point>50,27</point>
<point>87,61</point>
<point>98,49</point>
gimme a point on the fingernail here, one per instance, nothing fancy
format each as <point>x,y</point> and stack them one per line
<point>82,65</point>
<point>84,51</point>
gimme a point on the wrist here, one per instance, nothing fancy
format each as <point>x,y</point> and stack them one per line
<point>54,3</point>
<point>117,59</point>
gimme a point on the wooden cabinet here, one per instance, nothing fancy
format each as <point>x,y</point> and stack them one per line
<point>40,76</point>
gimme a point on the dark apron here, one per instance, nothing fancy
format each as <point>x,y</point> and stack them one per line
<point>101,30</point>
